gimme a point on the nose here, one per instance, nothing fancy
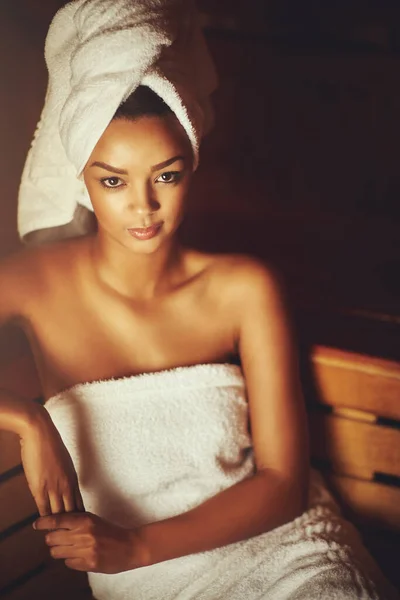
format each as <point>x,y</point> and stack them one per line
<point>142,200</point>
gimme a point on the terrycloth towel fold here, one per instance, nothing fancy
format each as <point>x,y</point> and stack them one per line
<point>97,53</point>
<point>151,446</point>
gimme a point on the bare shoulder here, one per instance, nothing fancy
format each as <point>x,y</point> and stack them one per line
<point>244,276</point>
<point>17,282</point>
<point>18,270</point>
<point>31,264</point>
<point>243,287</point>
<point>27,274</point>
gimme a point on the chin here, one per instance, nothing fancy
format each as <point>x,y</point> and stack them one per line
<point>145,251</point>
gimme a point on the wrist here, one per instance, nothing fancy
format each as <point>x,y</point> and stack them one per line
<point>160,540</point>
<point>33,419</point>
<point>141,555</point>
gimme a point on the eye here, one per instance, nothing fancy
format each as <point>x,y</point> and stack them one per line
<point>169,177</point>
<point>111,182</point>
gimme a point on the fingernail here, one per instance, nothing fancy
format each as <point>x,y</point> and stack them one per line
<point>34,525</point>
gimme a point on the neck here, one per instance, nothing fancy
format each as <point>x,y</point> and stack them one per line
<point>134,275</point>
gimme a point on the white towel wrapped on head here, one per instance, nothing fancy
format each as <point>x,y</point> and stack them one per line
<point>97,53</point>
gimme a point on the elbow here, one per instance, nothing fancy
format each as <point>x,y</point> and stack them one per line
<point>289,495</point>
<point>292,502</point>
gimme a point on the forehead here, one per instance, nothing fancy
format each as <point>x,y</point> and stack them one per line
<point>144,136</point>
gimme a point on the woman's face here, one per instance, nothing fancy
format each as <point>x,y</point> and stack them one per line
<point>137,177</point>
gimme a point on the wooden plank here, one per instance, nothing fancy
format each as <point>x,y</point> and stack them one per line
<point>10,451</point>
<point>20,377</point>
<point>16,502</point>
<point>357,381</point>
<point>20,553</point>
<point>55,582</point>
<point>354,447</point>
<point>366,502</point>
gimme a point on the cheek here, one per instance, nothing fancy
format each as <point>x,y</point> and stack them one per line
<point>175,203</point>
<point>178,197</point>
<point>104,207</point>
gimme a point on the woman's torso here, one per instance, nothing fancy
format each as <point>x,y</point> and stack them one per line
<point>80,330</point>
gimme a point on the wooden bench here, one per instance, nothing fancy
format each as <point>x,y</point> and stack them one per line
<point>354,415</point>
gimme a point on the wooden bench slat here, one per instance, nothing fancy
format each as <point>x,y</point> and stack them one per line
<point>356,361</point>
<point>353,447</point>
<point>16,502</point>
<point>20,553</point>
<point>357,381</point>
<point>369,503</point>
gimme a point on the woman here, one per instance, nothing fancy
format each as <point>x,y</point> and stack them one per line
<point>129,300</point>
<point>157,465</point>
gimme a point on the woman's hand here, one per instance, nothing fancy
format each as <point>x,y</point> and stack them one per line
<point>48,467</point>
<point>88,543</point>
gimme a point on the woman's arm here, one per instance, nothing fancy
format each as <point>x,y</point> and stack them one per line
<point>17,415</point>
<point>277,492</point>
<point>47,465</point>
<point>273,496</point>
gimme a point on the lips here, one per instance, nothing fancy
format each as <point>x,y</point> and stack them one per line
<point>145,233</point>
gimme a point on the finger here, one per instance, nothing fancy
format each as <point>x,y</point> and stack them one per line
<point>56,521</point>
<point>64,552</point>
<point>69,501</point>
<point>43,505</point>
<point>56,504</point>
<point>73,501</point>
<point>78,500</point>
<point>59,537</point>
<point>78,564</point>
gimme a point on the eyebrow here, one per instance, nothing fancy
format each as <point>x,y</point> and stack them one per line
<point>157,167</point>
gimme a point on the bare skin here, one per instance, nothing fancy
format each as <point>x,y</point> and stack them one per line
<point>185,324</point>
<point>109,305</point>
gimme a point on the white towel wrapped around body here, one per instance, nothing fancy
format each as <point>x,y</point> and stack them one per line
<point>152,446</point>
<point>97,53</point>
